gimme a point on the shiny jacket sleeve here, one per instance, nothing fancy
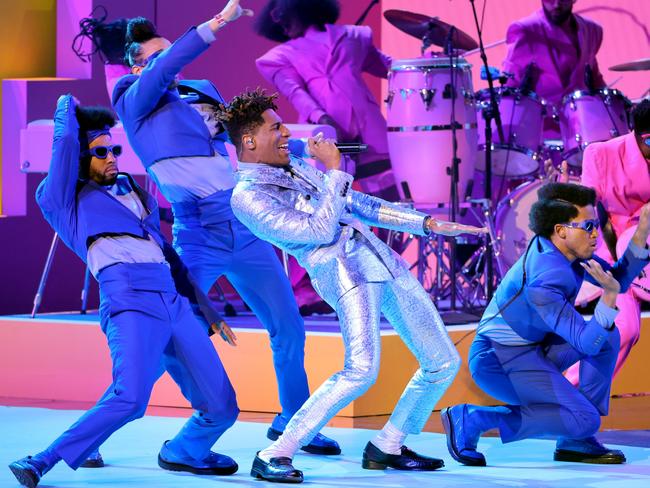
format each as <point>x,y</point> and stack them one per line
<point>380,213</point>
<point>271,219</point>
<point>58,189</point>
<point>548,293</point>
<point>143,94</point>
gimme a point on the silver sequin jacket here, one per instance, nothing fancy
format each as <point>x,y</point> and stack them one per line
<point>318,219</point>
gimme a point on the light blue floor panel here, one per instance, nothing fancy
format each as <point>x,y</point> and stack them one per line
<point>131,455</point>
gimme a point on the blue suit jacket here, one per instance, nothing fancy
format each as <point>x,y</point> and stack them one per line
<point>544,311</point>
<point>158,123</point>
<point>82,211</point>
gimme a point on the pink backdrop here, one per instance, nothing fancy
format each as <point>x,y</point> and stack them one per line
<point>626,35</point>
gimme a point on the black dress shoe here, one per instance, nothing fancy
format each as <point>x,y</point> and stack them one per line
<point>588,450</point>
<point>278,470</point>
<point>320,444</point>
<point>94,460</point>
<point>407,460</point>
<point>26,471</point>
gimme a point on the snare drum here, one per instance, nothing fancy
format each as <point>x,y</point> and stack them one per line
<point>522,118</point>
<point>587,118</point>
<point>419,115</point>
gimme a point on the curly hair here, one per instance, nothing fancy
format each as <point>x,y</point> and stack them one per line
<point>307,12</point>
<point>138,31</point>
<point>641,117</point>
<point>91,118</point>
<point>244,114</point>
<point>557,204</point>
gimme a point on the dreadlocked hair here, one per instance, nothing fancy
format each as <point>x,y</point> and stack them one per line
<point>106,38</point>
<point>91,118</point>
<point>557,204</point>
<point>244,113</point>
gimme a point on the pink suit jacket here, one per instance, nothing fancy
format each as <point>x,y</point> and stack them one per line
<point>560,70</point>
<point>619,173</point>
<point>321,73</point>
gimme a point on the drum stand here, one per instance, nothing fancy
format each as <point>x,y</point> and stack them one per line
<point>471,285</point>
<point>491,112</point>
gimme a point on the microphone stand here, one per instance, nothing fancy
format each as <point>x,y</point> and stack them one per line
<point>490,113</point>
<point>453,170</point>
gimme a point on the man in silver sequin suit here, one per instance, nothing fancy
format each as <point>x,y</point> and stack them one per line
<point>317,218</point>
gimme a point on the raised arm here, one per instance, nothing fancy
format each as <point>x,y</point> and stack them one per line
<point>142,96</point>
<point>59,187</point>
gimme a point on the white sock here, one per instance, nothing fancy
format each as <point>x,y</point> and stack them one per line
<point>390,439</point>
<point>283,447</point>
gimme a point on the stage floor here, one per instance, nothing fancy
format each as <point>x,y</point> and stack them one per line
<point>131,456</point>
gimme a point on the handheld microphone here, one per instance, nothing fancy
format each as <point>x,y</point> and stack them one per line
<point>300,149</point>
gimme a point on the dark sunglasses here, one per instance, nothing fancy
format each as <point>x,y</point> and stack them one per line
<point>101,152</point>
<point>586,225</point>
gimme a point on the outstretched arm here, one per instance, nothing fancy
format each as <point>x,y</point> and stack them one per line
<point>141,97</point>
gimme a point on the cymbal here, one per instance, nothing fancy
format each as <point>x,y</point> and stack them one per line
<point>419,25</point>
<point>638,65</point>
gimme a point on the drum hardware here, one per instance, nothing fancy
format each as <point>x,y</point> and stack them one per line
<point>490,113</point>
<point>389,98</point>
<point>427,95</point>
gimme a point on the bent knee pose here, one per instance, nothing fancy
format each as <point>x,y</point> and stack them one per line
<point>147,297</point>
<point>317,218</point>
<point>531,332</point>
<point>187,160</point>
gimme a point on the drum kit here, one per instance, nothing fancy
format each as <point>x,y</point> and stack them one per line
<point>435,117</point>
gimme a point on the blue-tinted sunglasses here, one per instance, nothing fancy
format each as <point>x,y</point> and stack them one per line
<point>101,152</point>
<point>586,225</point>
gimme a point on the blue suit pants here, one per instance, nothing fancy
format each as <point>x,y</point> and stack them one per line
<point>150,327</point>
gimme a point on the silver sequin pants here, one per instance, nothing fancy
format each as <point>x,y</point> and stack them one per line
<point>409,309</point>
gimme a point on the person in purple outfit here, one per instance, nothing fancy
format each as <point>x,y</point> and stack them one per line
<point>561,46</point>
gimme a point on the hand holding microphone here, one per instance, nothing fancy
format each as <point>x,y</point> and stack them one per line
<point>325,151</point>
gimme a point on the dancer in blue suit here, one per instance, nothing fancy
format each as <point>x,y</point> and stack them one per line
<point>190,166</point>
<point>113,226</point>
<point>531,332</point>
